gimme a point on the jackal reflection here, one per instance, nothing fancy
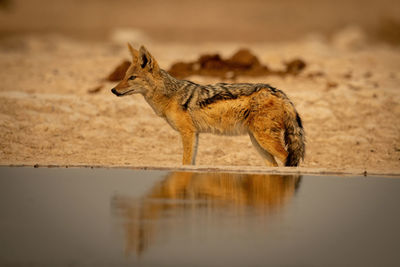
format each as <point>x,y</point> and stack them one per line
<point>181,193</point>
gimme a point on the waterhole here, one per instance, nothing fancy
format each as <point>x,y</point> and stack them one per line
<point>123,217</point>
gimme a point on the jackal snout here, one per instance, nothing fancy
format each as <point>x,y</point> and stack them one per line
<point>115,92</point>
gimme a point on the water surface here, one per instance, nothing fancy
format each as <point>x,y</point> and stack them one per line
<point>121,217</point>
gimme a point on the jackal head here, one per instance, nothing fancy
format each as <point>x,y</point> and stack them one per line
<point>142,75</point>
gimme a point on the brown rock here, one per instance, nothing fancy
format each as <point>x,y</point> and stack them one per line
<point>119,72</point>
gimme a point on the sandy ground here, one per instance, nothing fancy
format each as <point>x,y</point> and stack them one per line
<point>348,97</point>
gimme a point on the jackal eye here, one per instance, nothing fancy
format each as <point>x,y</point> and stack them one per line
<point>132,77</point>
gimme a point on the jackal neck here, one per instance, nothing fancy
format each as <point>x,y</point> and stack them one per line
<point>163,92</point>
<point>171,84</point>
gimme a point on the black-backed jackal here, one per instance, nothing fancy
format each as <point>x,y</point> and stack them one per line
<point>263,112</point>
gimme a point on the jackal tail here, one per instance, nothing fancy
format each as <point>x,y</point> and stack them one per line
<point>294,139</point>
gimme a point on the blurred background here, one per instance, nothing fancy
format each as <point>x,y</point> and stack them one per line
<point>61,110</point>
<point>206,20</point>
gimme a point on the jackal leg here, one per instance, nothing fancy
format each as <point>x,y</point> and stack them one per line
<point>189,141</point>
<point>269,146</point>
<point>269,159</point>
<point>181,121</point>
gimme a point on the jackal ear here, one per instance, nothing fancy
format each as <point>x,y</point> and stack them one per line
<point>134,53</point>
<point>147,61</point>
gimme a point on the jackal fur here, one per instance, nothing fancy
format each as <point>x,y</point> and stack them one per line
<point>260,110</point>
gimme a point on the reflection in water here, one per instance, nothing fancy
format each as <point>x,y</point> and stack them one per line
<point>180,192</point>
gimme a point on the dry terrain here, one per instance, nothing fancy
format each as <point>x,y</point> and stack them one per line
<point>57,108</point>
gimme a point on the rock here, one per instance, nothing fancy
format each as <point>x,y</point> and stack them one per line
<point>119,72</point>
